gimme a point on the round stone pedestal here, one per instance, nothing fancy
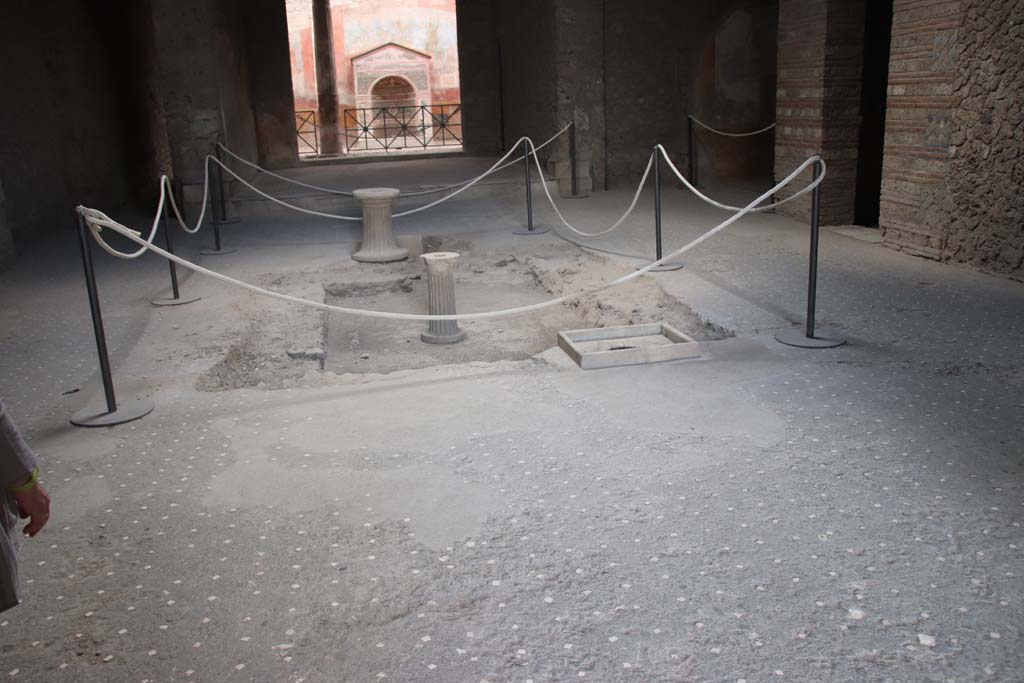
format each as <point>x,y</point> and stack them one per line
<point>441,298</point>
<point>379,244</point>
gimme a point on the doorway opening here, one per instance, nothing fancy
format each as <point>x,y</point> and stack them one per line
<point>874,84</point>
<point>395,76</point>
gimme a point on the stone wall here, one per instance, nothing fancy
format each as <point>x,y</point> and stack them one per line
<point>986,179</point>
<point>63,133</point>
<point>818,99</point>
<point>580,88</point>
<point>6,241</point>
<point>917,124</point>
<point>645,83</point>
<point>480,81</point>
<point>732,88</point>
<point>270,82</point>
<point>954,164</point>
<point>527,40</point>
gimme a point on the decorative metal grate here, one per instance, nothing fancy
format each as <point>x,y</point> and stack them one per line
<point>389,129</point>
<point>306,133</point>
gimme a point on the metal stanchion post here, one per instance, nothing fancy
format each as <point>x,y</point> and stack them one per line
<point>220,213</point>
<point>530,229</point>
<point>176,298</point>
<point>771,160</point>
<point>572,159</point>
<point>669,265</point>
<point>114,414</point>
<point>692,134</point>
<point>808,339</point>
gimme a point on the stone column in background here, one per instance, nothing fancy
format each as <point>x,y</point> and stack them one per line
<point>441,298</point>
<point>379,244</point>
<point>326,78</point>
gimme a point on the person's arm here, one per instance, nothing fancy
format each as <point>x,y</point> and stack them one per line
<point>19,474</point>
<point>17,461</point>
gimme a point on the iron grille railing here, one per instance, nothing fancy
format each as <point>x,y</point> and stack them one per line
<point>390,129</point>
<point>306,133</point>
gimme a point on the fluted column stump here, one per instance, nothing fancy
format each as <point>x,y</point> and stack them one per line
<point>441,298</point>
<point>379,244</point>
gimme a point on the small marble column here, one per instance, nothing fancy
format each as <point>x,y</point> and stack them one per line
<point>441,298</point>
<point>379,244</point>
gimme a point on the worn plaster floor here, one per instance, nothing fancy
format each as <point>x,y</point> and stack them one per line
<point>763,514</point>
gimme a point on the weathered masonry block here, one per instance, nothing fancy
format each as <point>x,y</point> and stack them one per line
<point>954,154</point>
<point>818,99</point>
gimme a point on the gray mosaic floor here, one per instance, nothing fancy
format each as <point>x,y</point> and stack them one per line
<point>762,514</point>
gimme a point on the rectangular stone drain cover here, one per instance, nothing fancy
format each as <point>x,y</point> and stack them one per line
<point>607,347</point>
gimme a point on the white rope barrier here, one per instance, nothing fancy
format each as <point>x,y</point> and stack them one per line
<point>616,224</point>
<point>323,214</point>
<point>97,220</point>
<point>731,135</point>
<point>345,193</point>
<point>165,181</point>
<point>726,207</point>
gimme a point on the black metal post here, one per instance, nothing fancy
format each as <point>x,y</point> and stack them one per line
<point>657,204</point>
<point>176,298</point>
<point>572,158</point>
<point>113,414</point>
<point>693,150</point>
<point>216,236</point>
<point>812,270</point>
<point>671,265</point>
<point>809,339</point>
<point>179,197</point>
<point>222,202</point>
<point>530,229</point>
<point>771,160</point>
<point>170,249</point>
<point>529,187</point>
<point>219,202</point>
<point>97,315</point>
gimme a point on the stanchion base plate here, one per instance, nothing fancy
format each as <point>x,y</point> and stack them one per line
<point>823,339</point>
<point>167,301</point>
<point>217,252</point>
<point>126,412</point>
<point>670,265</point>
<point>524,231</point>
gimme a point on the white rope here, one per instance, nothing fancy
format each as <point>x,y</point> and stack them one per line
<point>322,214</point>
<point>165,181</point>
<point>709,200</point>
<point>731,135</point>
<point>616,224</point>
<point>96,224</point>
<point>345,193</point>
<point>93,215</point>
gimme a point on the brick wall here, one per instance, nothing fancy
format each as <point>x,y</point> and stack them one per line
<point>818,98</point>
<point>917,124</point>
<point>954,164</point>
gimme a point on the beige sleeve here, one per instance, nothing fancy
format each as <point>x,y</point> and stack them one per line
<point>17,461</point>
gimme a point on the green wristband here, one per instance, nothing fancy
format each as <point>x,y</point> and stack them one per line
<point>28,485</point>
